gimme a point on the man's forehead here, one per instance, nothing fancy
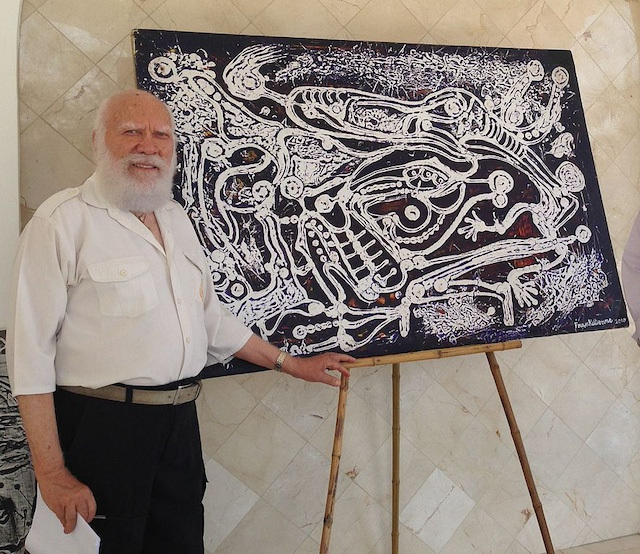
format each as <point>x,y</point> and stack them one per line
<point>136,109</point>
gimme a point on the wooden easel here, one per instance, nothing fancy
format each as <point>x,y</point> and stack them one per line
<point>395,361</point>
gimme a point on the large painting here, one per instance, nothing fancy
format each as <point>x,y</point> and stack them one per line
<point>381,198</point>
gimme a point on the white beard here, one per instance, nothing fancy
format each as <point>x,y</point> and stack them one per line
<point>129,193</point>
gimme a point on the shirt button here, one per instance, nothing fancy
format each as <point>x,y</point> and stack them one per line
<point>123,272</point>
<point>179,300</point>
<point>188,340</point>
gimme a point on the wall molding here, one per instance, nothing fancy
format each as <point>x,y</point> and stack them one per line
<point>9,147</point>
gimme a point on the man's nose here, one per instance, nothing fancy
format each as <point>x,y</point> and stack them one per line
<point>147,144</point>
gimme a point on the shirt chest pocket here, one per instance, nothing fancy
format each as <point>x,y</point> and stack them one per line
<point>124,286</point>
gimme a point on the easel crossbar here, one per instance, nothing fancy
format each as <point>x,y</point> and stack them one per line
<point>441,353</point>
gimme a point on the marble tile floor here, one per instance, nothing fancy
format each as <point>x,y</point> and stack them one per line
<point>623,545</point>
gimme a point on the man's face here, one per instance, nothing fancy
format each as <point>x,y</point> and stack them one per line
<point>135,153</point>
<point>138,128</point>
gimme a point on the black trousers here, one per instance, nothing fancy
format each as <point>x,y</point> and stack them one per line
<point>144,466</point>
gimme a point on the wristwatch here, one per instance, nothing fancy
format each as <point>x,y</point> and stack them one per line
<point>279,361</point>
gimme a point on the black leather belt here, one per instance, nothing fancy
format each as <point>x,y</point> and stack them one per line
<point>131,395</point>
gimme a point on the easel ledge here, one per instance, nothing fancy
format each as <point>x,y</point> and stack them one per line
<point>435,354</point>
<point>395,360</point>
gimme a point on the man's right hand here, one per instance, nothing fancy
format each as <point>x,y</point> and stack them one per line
<point>61,491</point>
<point>67,497</point>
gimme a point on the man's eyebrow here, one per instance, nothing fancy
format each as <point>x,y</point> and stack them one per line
<point>132,126</point>
<point>129,126</point>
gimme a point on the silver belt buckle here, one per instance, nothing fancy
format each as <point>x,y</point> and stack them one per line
<point>176,397</point>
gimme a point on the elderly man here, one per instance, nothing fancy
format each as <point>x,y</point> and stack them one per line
<point>115,315</point>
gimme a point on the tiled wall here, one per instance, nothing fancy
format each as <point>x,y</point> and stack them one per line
<point>267,437</point>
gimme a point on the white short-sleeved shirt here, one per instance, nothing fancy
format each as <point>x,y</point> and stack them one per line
<point>97,300</point>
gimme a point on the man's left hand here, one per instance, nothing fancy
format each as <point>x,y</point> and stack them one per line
<point>314,368</point>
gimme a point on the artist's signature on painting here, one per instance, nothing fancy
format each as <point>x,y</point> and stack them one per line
<point>594,323</point>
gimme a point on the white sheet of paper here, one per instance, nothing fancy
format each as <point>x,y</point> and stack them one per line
<point>47,536</point>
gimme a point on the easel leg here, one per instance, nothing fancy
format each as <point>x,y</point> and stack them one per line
<point>396,460</point>
<point>522,455</point>
<point>335,464</point>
